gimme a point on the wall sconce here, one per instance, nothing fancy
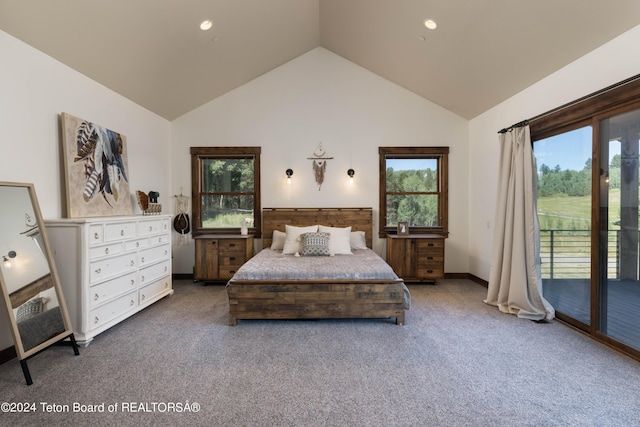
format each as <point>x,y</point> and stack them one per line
<point>289,172</point>
<point>351,173</point>
<point>7,258</point>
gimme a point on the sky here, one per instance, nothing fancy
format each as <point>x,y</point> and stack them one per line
<point>570,150</point>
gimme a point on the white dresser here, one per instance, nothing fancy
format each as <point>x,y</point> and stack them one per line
<point>110,267</point>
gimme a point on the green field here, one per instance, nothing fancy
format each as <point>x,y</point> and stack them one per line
<point>574,213</point>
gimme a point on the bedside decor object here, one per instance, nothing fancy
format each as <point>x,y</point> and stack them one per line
<point>96,175</point>
<point>403,228</point>
<point>319,164</point>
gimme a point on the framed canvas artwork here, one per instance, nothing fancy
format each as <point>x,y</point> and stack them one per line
<point>96,174</point>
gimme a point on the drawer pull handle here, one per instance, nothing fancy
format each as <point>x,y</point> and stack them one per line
<point>232,245</point>
<point>159,239</point>
<point>166,252</point>
<point>96,320</point>
<point>142,297</point>
<point>96,236</point>
<point>122,232</point>
<point>213,243</point>
<point>142,279</point>
<point>95,297</point>
<point>429,271</point>
<point>165,268</point>
<point>429,258</point>
<point>106,251</point>
<point>142,259</point>
<point>166,284</point>
<point>137,244</point>
<point>150,228</point>
<point>132,303</point>
<point>232,258</point>
<point>430,244</point>
<point>99,271</point>
<point>133,282</point>
<point>133,263</point>
<point>232,271</point>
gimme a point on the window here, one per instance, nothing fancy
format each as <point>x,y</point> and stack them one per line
<point>414,189</point>
<point>226,189</point>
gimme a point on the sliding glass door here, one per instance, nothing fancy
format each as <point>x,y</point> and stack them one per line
<point>588,207</point>
<point>618,284</point>
<point>564,211</point>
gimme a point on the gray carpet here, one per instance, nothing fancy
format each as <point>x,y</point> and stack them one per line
<point>457,362</point>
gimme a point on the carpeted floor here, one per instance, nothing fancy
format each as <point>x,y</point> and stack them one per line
<point>457,362</point>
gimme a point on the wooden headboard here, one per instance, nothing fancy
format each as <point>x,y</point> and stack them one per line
<point>360,219</point>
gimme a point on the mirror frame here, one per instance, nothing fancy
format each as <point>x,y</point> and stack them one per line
<point>68,330</point>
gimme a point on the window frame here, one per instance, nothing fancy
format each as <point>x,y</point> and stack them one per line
<point>441,154</point>
<point>198,154</point>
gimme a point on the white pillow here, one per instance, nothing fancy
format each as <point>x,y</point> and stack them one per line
<point>340,240</point>
<point>277,241</point>
<point>292,244</point>
<point>358,240</point>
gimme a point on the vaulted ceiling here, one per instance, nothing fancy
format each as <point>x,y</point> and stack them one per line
<point>154,53</point>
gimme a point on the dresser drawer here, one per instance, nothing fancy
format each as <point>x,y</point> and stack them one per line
<point>119,231</point>
<point>105,291</point>
<point>231,245</point>
<point>96,234</point>
<point>153,254</point>
<point>151,226</point>
<point>158,287</point>
<point>134,244</point>
<point>110,267</point>
<point>153,272</point>
<point>112,310</point>
<point>235,259</point>
<point>106,250</point>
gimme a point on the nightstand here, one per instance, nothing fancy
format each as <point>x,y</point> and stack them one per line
<point>218,256</point>
<point>416,257</point>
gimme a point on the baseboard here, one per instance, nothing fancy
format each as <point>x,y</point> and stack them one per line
<point>467,276</point>
<point>7,354</point>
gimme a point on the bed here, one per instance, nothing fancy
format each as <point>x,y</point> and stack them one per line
<point>275,285</point>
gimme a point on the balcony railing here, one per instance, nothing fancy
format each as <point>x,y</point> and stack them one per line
<point>566,254</point>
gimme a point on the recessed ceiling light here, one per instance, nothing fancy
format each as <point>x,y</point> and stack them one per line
<point>430,24</point>
<point>206,25</point>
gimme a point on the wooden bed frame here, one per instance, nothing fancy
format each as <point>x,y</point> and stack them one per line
<point>317,299</point>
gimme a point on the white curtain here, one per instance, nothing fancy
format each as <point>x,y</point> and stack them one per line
<point>515,282</point>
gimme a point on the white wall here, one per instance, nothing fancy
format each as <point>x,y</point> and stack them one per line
<point>321,97</point>
<point>34,90</point>
<point>607,65</point>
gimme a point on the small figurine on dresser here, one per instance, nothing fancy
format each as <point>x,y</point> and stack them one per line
<point>149,203</point>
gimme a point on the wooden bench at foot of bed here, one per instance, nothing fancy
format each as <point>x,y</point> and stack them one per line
<point>318,300</point>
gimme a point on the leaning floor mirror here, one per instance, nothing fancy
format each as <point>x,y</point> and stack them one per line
<point>31,289</point>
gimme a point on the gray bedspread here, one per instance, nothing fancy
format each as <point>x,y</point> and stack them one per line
<point>273,265</point>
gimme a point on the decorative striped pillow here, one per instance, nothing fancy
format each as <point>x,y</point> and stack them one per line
<point>315,244</point>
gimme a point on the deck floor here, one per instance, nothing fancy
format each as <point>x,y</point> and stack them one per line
<point>572,298</point>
